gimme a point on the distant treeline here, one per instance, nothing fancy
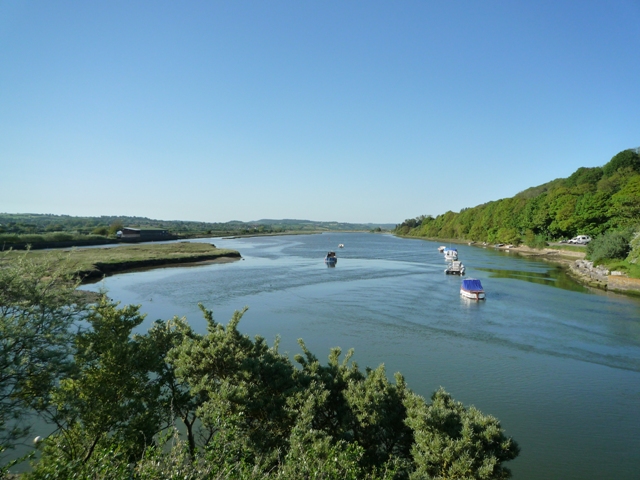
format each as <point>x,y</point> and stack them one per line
<point>592,201</point>
<point>34,229</point>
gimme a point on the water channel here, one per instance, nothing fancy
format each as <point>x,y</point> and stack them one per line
<point>557,363</point>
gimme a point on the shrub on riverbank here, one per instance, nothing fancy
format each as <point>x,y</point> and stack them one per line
<point>613,245</point>
<point>8,239</point>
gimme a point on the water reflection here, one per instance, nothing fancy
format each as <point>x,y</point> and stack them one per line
<point>554,277</point>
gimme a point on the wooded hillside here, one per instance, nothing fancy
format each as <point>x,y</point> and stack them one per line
<point>591,201</point>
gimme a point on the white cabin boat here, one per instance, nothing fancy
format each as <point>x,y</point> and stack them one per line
<point>472,288</point>
<point>442,249</point>
<point>450,254</point>
<point>455,268</point>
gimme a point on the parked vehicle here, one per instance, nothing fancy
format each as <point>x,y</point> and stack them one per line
<point>580,240</point>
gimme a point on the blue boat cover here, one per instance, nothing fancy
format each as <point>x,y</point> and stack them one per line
<point>450,249</point>
<point>471,284</point>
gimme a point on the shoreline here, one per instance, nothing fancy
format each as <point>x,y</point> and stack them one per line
<point>89,265</point>
<point>581,270</point>
<point>556,255</point>
<point>106,270</point>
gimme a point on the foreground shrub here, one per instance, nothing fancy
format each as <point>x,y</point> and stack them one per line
<point>249,411</point>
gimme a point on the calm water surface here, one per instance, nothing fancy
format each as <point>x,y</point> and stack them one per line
<point>557,363</point>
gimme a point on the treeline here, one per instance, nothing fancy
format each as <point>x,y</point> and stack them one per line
<point>119,399</point>
<point>592,201</point>
<point>36,228</point>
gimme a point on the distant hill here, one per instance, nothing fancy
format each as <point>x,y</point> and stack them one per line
<point>591,201</point>
<point>36,228</point>
<point>325,225</point>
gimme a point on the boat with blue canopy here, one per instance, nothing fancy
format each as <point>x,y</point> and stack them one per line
<point>472,288</point>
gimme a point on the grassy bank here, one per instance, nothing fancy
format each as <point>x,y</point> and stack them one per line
<point>94,263</point>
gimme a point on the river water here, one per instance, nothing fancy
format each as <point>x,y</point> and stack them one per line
<point>557,363</point>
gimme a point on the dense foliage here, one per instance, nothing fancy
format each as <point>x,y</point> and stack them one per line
<point>613,245</point>
<point>591,201</point>
<point>119,401</point>
<point>37,309</point>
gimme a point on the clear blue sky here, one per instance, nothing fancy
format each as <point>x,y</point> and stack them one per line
<point>357,111</point>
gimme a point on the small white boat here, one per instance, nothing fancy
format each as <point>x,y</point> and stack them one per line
<point>455,268</point>
<point>472,288</point>
<point>442,249</point>
<point>341,245</point>
<point>451,254</point>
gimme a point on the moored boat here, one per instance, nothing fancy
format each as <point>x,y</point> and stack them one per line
<point>442,249</point>
<point>455,268</point>
<point>331,259</point>
<point>472,288</point>
<point>450,254</point>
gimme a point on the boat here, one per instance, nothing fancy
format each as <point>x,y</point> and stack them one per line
<point>341,245</point>
<point>450,254</point>
<point>442,249</point>
<point>472,288</point>
<point>455,268</point>
<point>331,259</point>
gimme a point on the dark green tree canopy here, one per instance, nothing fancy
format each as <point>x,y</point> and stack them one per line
<point>625,159</point>
<point>591,201</point>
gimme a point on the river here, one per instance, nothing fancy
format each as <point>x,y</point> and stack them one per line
<point>557,363</point>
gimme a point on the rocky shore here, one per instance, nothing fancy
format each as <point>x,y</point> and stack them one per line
<point>580,269</point>
<point>583,270</point>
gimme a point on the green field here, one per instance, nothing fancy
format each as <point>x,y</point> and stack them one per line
<point>92,263</point>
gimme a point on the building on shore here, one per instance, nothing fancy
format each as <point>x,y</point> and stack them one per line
<point>144,234</point>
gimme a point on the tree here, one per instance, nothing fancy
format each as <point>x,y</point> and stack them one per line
<point>175,398</point>
<point>453,442</point>
<point>366,410</point>
<point>101,231</point>
<point>109,398</point>
<point>242,381</point>
<point>625,159</point>
<point>634,254</point>
<point>38,305</point>
<point>625,204</point>
<point>115,227</point>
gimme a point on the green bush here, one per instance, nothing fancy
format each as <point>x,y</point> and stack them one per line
<point>58,237</point>
<point>534,241</point>
<point>610,245</point>
<point>634,254</point>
